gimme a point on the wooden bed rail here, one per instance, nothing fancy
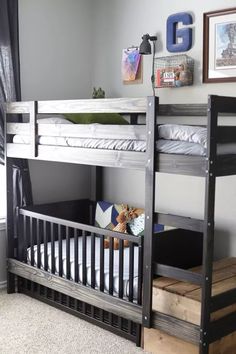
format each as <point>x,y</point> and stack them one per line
<point>107,105</point>
<point>112,304</point>
<point>223,104</point>
<point>84,227</point>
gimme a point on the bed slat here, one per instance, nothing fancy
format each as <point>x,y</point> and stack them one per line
<point>140,273</point>
<point>107,105</point>
<point>24,232</point>
<point>45,234</point>
<point>76,255</point>
<point>131,271</point>
<point>38,243</point>
<point>52,226</point>
<point>31,231</point>
<point>60,249</point>
<point>111,264</point>
<point>67,253</point>
<point>84,257</point>
<point>121,269</point>
<point>101,263</point>
<point>93,257</point>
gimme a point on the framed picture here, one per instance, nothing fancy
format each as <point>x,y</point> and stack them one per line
<point>219,46</point>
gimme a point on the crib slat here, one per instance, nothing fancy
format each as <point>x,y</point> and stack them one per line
<point>111,264</point>
<point>76,256</point>
<point>24,233</point>
<point>60,249</point>
<point>52,226</point>
<point>84,257</point>
<point>101,287</point>
<point>31,232</point>
<point>129,327</point>
<point>45,239</point>
<point>67,253</point>
<point>38,243</point>
<point>140,273</point>
<point>131,271</point>
<point>121,268</point>
<point>93,256</point>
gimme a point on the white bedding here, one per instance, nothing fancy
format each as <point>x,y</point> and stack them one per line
<point>88,264</point>
<point>173,139</point>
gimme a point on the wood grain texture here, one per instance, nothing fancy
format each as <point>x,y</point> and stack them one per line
<point>93,157</point>
<point>108,303</point>
<point>183,299</point>
<point>158,342</point>
<point>107,105</point>
<point>18,107</point>
<point>182,110</point>
<point>176,327</point>
<point>177,273</point>
<point>181,164</point>
<point>95,131</point>
<point>179,221</point>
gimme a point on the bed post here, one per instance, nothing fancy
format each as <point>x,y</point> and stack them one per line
<point>10,224</point>
<point>96,185</point>
<point>96,189</point>
<point>149,208</point>
<point>208,241</point>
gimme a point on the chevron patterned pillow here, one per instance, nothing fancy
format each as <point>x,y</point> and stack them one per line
<point>106,214</point>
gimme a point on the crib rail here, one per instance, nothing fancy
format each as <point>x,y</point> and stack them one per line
<point>76,252</point>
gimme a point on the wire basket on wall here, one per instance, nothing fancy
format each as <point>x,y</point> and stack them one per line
<point>173,71</point>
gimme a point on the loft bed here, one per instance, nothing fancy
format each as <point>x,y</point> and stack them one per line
<point>52,226</point>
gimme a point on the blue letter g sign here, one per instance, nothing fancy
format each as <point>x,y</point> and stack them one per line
<point>173,33</point>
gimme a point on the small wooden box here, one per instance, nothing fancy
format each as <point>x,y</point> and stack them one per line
<point>182,300</point>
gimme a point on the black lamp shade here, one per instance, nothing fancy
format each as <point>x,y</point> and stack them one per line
<point>145,46</point>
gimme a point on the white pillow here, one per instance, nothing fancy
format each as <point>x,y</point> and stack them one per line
<point>53,120</point>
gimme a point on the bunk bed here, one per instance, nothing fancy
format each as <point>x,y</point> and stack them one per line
<point>52,255</point>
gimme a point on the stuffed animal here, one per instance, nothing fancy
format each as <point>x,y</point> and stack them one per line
<point>98,93</point>
<point>125,216</point>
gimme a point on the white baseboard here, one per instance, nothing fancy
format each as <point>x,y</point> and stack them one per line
<point>3,284</point>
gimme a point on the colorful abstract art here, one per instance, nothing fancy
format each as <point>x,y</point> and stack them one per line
<point>130,64</point>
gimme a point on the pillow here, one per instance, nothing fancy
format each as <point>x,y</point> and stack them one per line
<point>136,225</point>
<point>106,214</point>
<point>102,118</point>
<point>56,120</point>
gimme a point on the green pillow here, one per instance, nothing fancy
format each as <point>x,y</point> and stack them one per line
<point>89,118</point>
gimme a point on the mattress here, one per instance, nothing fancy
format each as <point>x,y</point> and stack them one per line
<point>88,264</point>
<point>173,139</point>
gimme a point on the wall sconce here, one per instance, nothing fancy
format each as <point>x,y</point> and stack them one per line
<point>145,49</point>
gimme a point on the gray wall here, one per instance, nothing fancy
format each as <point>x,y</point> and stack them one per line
<point>122,24</point>
<point>55,54</point>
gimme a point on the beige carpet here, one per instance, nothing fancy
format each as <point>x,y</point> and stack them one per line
<point>30,326</point>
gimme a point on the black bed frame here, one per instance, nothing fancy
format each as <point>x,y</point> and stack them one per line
<point>124,316</point>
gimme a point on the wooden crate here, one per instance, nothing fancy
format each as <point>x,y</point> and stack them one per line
<point>182,300</point>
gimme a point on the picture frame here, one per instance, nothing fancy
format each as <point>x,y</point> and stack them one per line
<point>219,46</point>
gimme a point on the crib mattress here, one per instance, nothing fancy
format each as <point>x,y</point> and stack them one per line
<point>88,264</point>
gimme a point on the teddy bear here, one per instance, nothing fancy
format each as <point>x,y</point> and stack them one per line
<point>125,216</point>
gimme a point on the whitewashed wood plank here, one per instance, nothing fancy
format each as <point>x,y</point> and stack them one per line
<point>107,105</point>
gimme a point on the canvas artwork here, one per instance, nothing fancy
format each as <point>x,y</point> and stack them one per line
<point>130,64</point>
<point>225,45</point>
